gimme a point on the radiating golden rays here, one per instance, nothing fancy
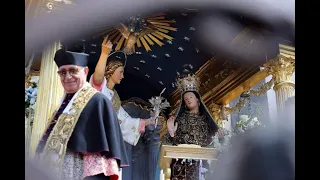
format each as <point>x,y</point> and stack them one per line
<point>155,32</point>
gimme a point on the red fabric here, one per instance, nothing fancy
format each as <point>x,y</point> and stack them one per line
<point>142,126</point>
<point>96,86</point>
<point>96,164</point>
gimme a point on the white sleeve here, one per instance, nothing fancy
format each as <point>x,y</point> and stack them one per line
<point>129,127</point>
<point>100,87</point>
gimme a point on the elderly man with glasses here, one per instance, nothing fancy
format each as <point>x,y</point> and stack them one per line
<point>83,139</point>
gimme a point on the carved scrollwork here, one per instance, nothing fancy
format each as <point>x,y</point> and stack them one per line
<point>215,110</point>
<point>228,68</point>
<point>211,77</point>
<point>262,90</point>
<point>281,68</point>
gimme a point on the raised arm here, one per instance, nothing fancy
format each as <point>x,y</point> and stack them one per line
<point>106,48</point>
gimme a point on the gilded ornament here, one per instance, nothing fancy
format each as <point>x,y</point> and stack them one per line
<point>56,145</point>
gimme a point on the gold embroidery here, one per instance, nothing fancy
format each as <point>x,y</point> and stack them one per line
<point>116,102</point>
<point>56,144</point>
<point>192,129</point>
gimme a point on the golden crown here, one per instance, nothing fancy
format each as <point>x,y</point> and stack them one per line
<point>188,83</point>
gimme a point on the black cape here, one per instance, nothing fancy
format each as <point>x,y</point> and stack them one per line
<point>98,130</point>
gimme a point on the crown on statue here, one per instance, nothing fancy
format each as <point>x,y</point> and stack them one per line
<point>189,82</point>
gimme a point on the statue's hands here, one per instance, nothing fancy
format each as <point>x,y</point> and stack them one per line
<point>172,126</point>
<point>220,133</point>
<point>106,46</point>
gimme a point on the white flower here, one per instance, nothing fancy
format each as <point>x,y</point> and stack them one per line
<point>241,129</point>
<point>26,98</point>
<point>243,118</point>
<point>33,106</point>
<point>203,170</point>
<point>32,101</point>
<point>29,89</point>
<point>251,124</point>
<point>35,92</point>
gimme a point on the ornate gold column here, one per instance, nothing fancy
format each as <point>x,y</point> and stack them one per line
<point>49,93</point>
<point>281,68</point>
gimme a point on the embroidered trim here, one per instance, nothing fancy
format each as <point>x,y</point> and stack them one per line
<point>116,102</point>
<point>56,145</point>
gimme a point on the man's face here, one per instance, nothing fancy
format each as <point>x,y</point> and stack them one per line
<point>72,77</point>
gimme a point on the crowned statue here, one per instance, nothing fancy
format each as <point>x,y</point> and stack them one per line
<point>190,123</point>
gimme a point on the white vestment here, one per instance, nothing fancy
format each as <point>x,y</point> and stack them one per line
<point>129,126</point>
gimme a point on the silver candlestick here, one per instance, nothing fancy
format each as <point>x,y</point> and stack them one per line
<point>158,103</point>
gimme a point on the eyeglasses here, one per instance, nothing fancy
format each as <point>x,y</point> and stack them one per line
<point>72,72</point>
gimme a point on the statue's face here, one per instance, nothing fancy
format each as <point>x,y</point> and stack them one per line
<point>117,76</point>
<point>191,100</point>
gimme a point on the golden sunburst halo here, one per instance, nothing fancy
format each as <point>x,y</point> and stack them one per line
<point>155,32</point>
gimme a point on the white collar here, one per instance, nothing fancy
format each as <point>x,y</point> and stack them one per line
<point>111,93</point>
<point>67,109</point>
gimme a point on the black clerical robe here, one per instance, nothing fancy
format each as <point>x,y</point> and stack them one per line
<point>85,123</point>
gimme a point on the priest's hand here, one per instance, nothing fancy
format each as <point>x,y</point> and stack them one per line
<point>172,126</point>
<point>106,46</point>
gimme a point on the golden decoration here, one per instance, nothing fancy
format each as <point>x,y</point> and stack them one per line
<point>185,151</point>
<point>262,90</point>
<point>188,83</point>
<point>281,68</point>
<point>49,93</point>
<point>216,109</point>
<point>116,101</point>
<point>153,31</point>
<point>240,104</point>
<point>56,144</point>
<point>28,76</point>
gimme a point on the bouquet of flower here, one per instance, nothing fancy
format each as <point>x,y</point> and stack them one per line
<point>30,99</point>
<point>158,103</point>
<point>31,93</point>
<point>245,123</point>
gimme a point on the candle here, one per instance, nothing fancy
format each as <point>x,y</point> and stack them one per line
<point>161,175</point>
